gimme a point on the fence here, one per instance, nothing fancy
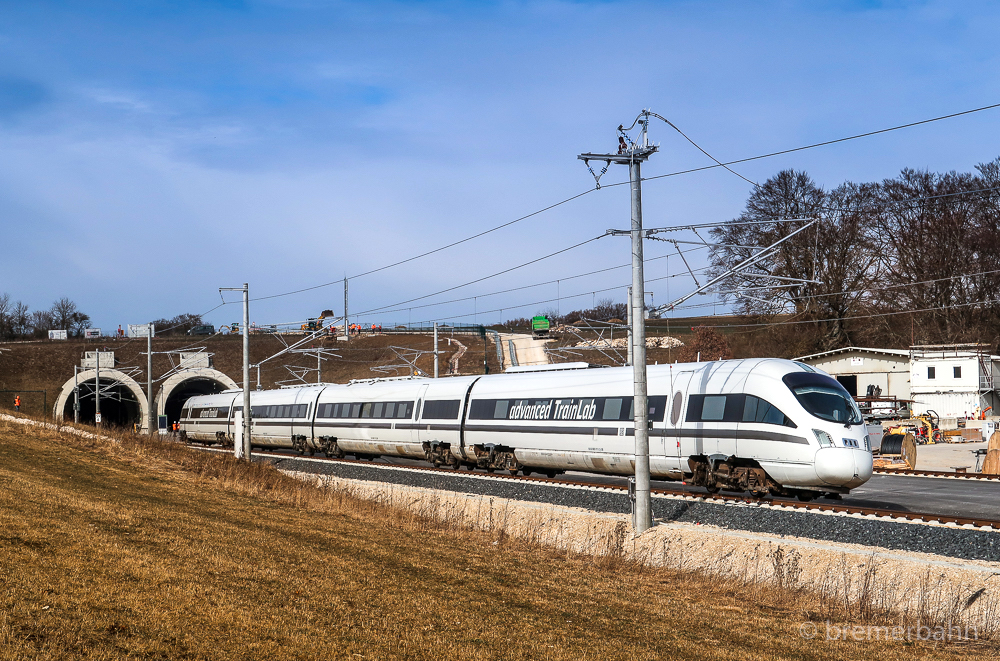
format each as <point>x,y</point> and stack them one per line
<point>30,401</point>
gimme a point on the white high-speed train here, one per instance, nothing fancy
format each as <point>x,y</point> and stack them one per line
<point>760,425</point>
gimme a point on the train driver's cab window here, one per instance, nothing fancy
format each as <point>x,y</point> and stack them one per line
<point>823,397</point>
<point>931,372</point>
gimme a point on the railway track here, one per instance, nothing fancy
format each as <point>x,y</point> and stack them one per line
<point>882,514</point>
<point>945,474</point>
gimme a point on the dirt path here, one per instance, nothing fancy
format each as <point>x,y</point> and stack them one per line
<point>455,357</point>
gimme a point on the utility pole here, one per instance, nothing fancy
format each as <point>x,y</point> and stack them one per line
<point>76,394</point>
<point>347,328</point>
<point>633,154</point>
<point>628,333</point>
<point>435,349</point>
<point>97,391</point>
<point>151,421</point>
<point>242,451</point>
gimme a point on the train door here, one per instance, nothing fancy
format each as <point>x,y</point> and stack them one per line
<point>683,446</point>
<point>420,433</point>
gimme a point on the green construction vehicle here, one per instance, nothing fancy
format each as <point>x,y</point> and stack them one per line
<point>540,326</point>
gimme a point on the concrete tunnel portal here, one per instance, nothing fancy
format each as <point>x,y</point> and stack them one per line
<point>123,403</point>
<point>123,400</point>
<point>188,383</point>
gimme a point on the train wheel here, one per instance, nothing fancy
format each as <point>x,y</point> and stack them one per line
<point>805,496</point>
<point>712,488</point>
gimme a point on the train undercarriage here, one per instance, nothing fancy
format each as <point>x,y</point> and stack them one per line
<point>745,475</point>
<point>712,473</point>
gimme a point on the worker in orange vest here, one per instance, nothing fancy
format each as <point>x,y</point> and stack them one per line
<point>17,402</point>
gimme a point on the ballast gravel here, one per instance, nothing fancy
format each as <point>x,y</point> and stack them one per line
<point>968,544</point>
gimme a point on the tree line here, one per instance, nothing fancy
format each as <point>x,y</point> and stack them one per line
<point>911,259</point>
<point>19,322</point>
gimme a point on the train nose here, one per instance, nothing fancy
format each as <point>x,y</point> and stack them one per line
<point>843,467</point>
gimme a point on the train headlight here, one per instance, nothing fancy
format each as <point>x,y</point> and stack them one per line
<point>825,440</point>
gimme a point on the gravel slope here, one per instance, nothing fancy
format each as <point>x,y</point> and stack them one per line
<point>946,541</point>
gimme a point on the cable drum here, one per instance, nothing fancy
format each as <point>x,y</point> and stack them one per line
<point>902,445</point>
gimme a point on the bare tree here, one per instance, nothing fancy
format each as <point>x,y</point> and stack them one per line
<point>62,312</point>
<point>939,231</point>
<point>20,319</point>
<point>179,325</point>
<point>79,322</point>
<point>6,331</point>
<point>839,254</point>
<point>41,323</point>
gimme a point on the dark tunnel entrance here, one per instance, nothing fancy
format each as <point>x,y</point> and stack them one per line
<point>184,391</point>
<point>119,406</point>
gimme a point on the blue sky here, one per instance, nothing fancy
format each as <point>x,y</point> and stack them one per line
<point>153,152</point>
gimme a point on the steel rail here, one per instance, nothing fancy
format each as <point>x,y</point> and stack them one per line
<point>986,477</point>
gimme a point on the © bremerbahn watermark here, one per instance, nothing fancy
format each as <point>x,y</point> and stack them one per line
<point>833,631</point>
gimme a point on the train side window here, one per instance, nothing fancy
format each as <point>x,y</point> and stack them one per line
<point>355,411</point>
<point>500,409</point>
<point>442,409</point>
<point>612,408</point>
<point>404,410</point>
<point>756,409</point>
<point>377,410</point>
<point>390,410</point>
<point>713,408</point>
<point>366,410</point>
<point>657,407</point>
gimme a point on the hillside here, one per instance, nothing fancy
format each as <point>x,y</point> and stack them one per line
<point>153,550</point>
<point>44,366</point>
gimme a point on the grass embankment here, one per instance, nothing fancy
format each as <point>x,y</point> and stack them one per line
<point>151,550</point>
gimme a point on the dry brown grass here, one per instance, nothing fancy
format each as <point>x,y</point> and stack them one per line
<point>149,550</point>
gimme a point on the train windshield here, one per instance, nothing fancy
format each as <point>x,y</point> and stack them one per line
<point>823,397</point>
